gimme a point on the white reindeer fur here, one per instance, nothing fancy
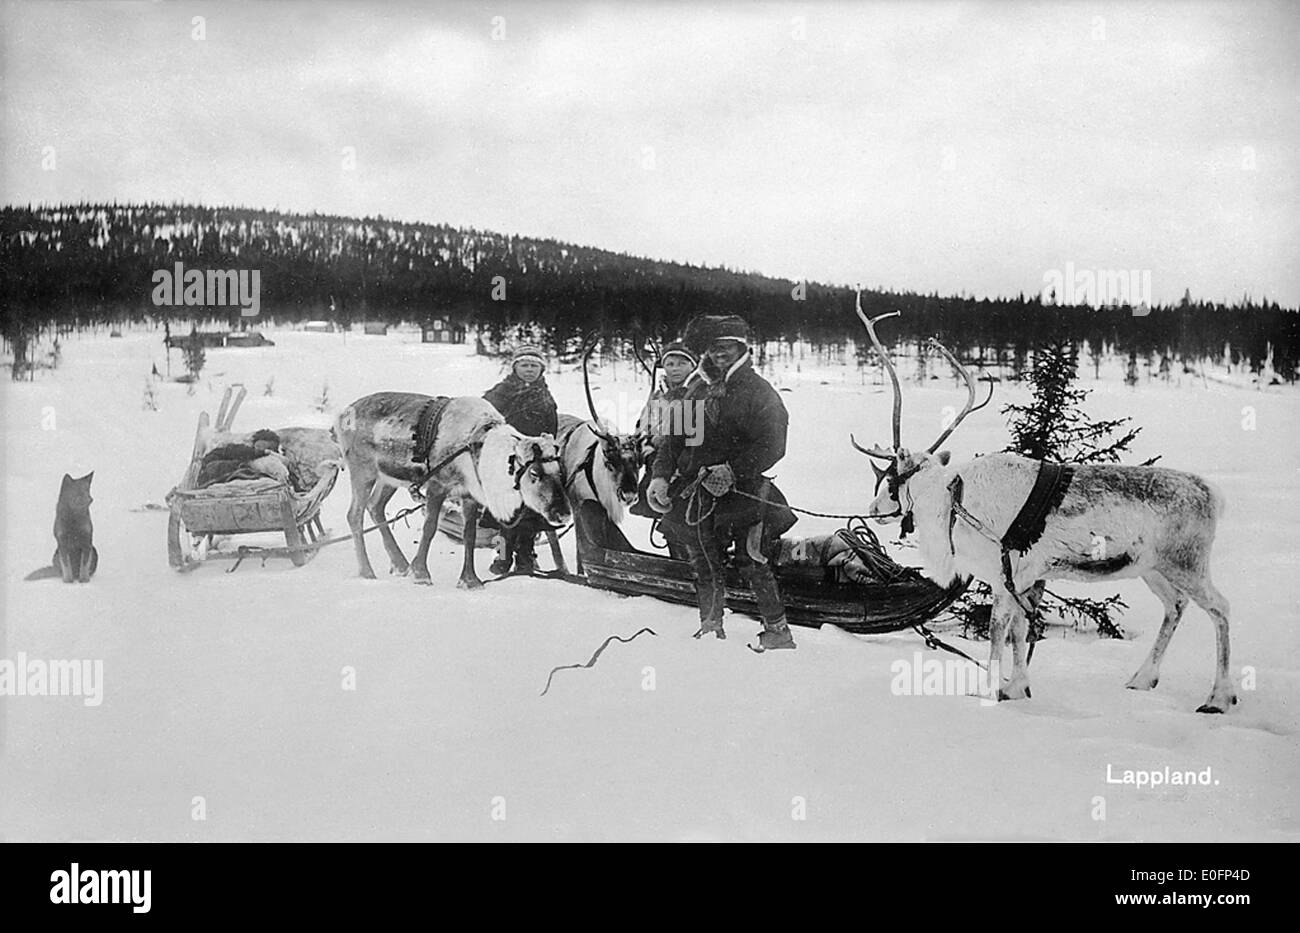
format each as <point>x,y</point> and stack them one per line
<point>576,445</point>
<point>1163,519</point>
<point>576,437</point>
<point>995,487</point>
<point>496,486</point>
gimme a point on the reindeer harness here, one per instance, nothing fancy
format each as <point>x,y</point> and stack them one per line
<point>426,432</point>
<point>1050,486</point>
<point>586,468</point>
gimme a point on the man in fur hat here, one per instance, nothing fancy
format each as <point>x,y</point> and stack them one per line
<point>525,401</point>
<point>697,485</point>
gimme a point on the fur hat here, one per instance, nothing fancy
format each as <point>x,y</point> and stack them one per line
<point>679,349</point>
<point>705,329</point>
<point>267,436</point>
<point>530,352</point>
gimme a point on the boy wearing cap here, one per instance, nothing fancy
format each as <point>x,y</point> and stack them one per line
<point>525,401</point>
<point>696,486</point>
<point>678,364</point>
<point>523,397</point>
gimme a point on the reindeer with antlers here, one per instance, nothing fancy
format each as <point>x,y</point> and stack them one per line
<point>443,447</point>
<point>1016,523</point>
<point>599,467</point>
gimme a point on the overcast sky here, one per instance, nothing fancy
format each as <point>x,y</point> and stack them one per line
<point>964,148</point>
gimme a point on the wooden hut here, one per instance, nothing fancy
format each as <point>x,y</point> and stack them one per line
<point>441,330</point>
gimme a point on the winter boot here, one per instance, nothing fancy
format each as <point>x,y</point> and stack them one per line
<point>525,563</point>
<point>711,626</point>
<point>501,563</point>
<point>775,635</point>
<point>525,555</point>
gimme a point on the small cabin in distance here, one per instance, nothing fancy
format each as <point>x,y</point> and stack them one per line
<point>441,330</point>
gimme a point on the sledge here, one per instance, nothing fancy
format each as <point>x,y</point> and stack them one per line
<point>899,597</point>
<point>451,522</point>
<point>251,506</point>
<point>813,596</point>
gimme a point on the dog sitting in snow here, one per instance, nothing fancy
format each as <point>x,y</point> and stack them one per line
<point>75,557</point>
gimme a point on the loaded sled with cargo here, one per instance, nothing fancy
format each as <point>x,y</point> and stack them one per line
<point>203,517</point>
<point>867,593</point>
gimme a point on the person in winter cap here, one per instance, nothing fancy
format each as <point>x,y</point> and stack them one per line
<point>712,492</point>
<point>525,401</point>
<point>678,363</point>
<point>522,397</point>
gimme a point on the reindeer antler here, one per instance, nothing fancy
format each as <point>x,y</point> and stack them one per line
<point>589,345</point>
<point>649,369</point>
<point>870,452</point>
<point>652,371</point>
<point>970,405</point>
<point>893,376</point>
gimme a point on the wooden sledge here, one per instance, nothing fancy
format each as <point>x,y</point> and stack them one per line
<point>451,522</point>
<point>810,599</point>
<point>812,595</point>
<point>199,516</point>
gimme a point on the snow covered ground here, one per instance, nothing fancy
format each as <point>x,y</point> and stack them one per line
<point>230,688</point>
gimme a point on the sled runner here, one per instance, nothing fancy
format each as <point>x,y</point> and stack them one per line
<point>244,506</point>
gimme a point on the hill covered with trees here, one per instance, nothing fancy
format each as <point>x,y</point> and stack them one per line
<point>74,265</point>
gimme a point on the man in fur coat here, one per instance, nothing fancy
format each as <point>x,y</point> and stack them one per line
<point>707,486</point>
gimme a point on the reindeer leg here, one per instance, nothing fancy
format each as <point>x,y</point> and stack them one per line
<point>378,504</point>
<point>998,619</point>
<point>362,486</point>
<point>1018,687</point>
<point>468,576</point>
<point>432,512</point>
<point>1175,601</point>
<point>556,554</point>
<point>1222,695</point>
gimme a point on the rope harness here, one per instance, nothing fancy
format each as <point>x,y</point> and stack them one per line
<point>252,550</point>
<point>585,468</point>
<point>691,493</point>
<point>1051,483</point>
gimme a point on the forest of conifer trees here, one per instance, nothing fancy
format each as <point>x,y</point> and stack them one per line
<point>86,264</point>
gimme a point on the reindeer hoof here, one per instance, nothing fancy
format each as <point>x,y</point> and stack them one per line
<point>1013,693</point>
<point>1217,703</point>
<point>473,583</point>
<point>1137,682</point>
<point>367,575</point>
<point>399,570</point>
